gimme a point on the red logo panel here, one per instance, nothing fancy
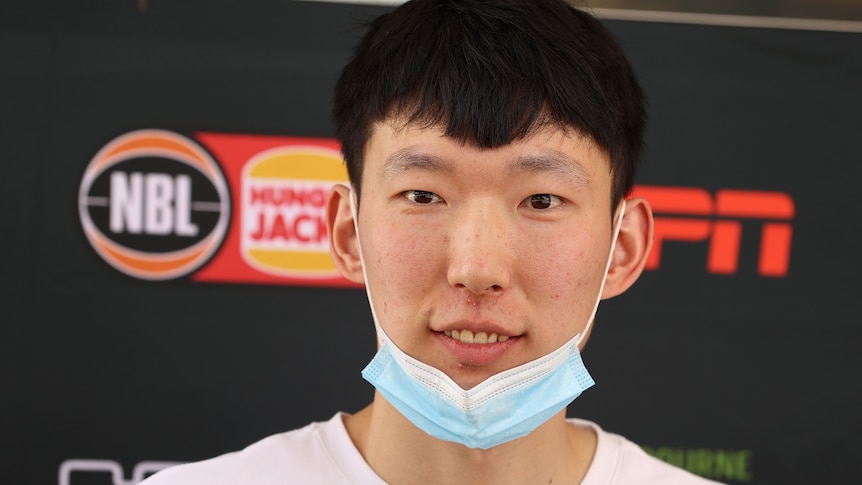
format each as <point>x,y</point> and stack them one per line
<point>279,186</point>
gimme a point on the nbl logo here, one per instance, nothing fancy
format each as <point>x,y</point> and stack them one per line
<point>154,204</point>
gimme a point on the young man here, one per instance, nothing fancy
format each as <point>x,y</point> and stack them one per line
<point>491,146</point>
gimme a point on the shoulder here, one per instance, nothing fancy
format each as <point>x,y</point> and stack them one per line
<point>317,453</point>
<point>618,461</point>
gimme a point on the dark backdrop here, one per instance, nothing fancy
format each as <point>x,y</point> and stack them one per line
<point>743,377</point>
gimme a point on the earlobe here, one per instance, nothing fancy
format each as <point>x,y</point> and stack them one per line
<point>343,242</point>
<point>632,248</point>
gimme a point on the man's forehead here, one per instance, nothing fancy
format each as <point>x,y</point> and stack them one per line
<point>547,161</point>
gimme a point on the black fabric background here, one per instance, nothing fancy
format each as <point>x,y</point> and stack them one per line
<point>99,365</point>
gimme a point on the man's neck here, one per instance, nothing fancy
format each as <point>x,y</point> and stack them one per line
<point>401,454</point>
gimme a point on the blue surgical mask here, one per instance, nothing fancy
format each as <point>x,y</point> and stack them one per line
<point>504,407</point>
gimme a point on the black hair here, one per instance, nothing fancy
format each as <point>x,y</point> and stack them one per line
<point>492,72</point>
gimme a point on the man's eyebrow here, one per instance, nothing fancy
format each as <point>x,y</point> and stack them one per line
<point>411,159</point>
<point>556,163</point>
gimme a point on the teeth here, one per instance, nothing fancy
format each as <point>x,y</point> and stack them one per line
<point>468,337</point>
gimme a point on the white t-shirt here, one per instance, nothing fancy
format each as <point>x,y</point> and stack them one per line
<point>322,453</point>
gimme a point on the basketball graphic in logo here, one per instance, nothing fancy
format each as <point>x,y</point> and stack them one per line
<point>154,204</point>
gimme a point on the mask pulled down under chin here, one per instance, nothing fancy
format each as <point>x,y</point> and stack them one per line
<point>507,406</point>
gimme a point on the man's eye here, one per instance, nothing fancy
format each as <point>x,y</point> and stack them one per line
<point>422,196</point>
<point>542,201</point>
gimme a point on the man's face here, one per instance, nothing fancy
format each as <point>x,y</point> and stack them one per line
<point>479,260</point>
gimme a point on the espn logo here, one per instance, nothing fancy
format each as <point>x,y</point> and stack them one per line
<point>690,214</point>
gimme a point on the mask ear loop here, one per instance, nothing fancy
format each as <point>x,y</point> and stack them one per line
<point>354,209</point>
<point>619,224</point>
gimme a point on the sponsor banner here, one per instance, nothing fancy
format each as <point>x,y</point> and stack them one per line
<point>223,208</point>
<point>234,208</point>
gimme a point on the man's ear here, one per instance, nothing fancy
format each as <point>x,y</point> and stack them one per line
<point>633,245</point>
<point>343,242</point>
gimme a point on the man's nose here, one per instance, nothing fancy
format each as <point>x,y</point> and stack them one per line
<point>480,251</point>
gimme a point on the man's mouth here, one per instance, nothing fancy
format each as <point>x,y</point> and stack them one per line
<point>468,337</point>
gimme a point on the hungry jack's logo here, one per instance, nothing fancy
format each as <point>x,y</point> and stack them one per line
<point>284,193</point>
